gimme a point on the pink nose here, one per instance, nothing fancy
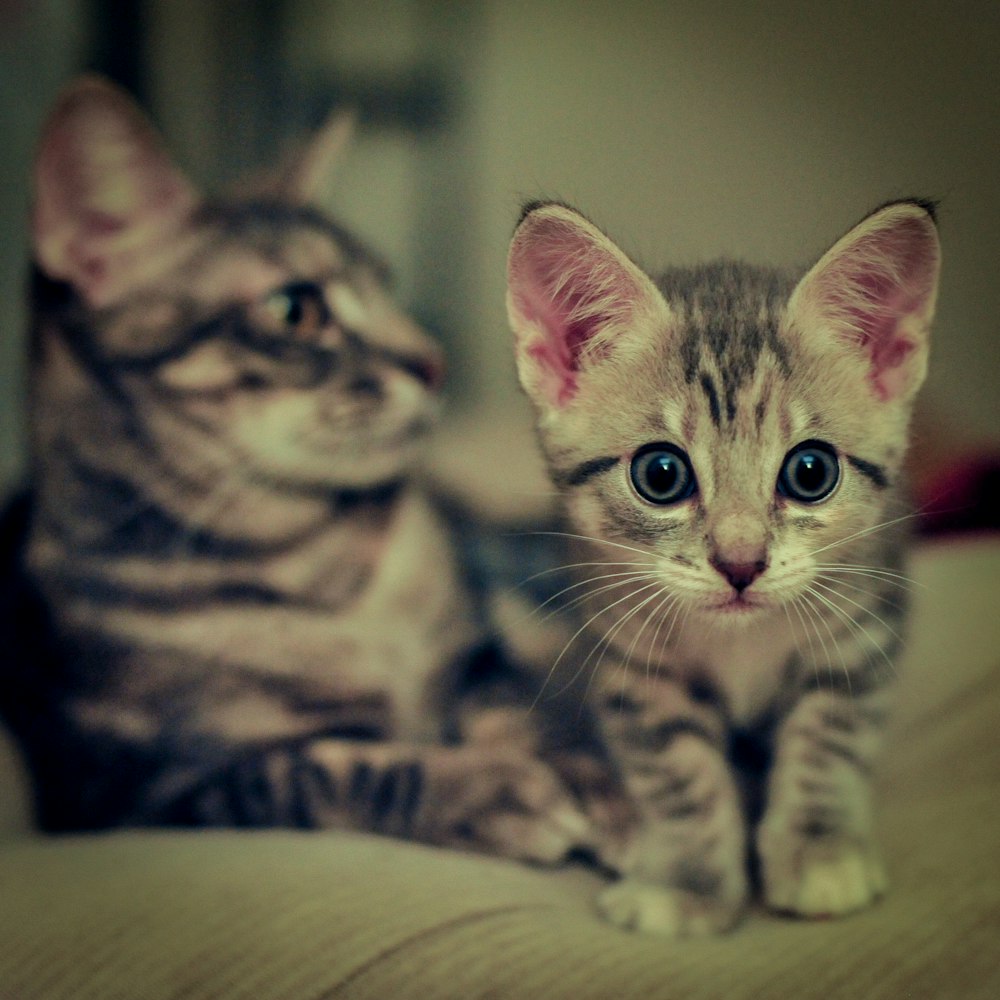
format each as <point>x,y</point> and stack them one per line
<point>740,574</point>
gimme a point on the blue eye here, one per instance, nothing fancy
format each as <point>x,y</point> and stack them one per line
<point>662,474</point>
<point>810,472</point>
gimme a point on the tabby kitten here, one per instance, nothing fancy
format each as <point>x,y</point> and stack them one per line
<point>728,442</point>
<point>230,600</point>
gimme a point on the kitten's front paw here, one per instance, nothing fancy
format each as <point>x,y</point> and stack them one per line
<point>820,877</point>
<point>665,910</point>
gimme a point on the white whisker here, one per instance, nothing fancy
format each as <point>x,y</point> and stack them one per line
<point>583,598</point>
<point>863,533</point>
<point>587,538</point>
<point>576,635</point>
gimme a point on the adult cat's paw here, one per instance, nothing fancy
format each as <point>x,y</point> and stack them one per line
<point>511,805</point>
<point>665,910</point>
<point>819,877</point>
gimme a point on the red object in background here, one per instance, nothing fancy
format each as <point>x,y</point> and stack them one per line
<point>964,497</point>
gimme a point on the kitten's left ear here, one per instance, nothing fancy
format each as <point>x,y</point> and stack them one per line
<point>573,299</point>
<point>307,174</point>
<point>875,292</point>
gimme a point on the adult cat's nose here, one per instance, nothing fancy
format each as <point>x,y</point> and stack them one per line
<point>740,574</point>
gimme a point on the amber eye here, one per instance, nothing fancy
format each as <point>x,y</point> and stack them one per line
<point>297,308</point>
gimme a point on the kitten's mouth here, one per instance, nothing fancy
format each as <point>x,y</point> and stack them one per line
<point>739,604</point>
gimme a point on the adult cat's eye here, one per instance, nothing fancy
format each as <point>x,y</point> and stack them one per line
<point>810,472</point>
<point>662,474</point>
<point>297,308</point>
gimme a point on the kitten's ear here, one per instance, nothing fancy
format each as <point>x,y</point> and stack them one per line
<point>105,191</point>
<point>875,291</point>
<point>306,176</point>
<point>571,293</point>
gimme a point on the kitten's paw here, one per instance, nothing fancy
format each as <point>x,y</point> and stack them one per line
<point>665,911</point>
<point>817,878</point>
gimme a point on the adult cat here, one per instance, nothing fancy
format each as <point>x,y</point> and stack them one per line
<point>728,444</point>
<point>226,599</point>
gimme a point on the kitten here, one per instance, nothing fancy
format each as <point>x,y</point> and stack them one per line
<point>728,442</point>
<point>230,600</point>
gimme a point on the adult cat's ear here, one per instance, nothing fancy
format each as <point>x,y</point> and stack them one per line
<point>571,294</point>
<point>306,175</point>
<point>874,292</point>
<point>105,191</point>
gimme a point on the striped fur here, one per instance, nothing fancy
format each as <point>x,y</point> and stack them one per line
<point>231,600</point>
<point>739,639</point>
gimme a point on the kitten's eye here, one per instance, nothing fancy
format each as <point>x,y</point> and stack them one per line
<point>662,474</point>
<point>810,472</point>
<point>298,308</point>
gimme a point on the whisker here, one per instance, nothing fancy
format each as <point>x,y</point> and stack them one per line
<point>862,607</point>
<point>875,572</point>
<point>863,533</point>
<point>582,598</point>
<point>673,606</point>
<point>576,635</point>
<point>874,594</point>
<point>579,565</point>
<point>588,538</point>
<point>810,616</point>
<point>859,632</point>
<point>609,637</point>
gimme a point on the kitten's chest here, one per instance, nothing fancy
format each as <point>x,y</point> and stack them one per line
<point>746,666</point>
<point>743,666</point>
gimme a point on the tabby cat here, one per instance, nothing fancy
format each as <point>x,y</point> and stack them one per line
<point>226,599</point>
<point>727,441</point>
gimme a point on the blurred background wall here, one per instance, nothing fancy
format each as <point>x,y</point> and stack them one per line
<point>687,129</point>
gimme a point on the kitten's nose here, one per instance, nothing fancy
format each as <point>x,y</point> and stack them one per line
<point>740,574</point>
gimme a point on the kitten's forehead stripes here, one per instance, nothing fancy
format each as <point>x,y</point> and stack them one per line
<point>712,395</point>
<point>730,315</point>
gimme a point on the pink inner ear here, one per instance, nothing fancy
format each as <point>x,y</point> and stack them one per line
<point>568,291</point>
<point>874,287</point>
<point>106,193</point>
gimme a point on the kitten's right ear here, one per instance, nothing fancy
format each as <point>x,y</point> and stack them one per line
<point>571,293</point>
<point>105,191</point>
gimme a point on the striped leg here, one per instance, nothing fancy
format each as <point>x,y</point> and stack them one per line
<point>817,852</point>
<point>482,799</point>
<point>687,871</point>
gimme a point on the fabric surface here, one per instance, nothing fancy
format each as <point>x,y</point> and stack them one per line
<point>296,915</point>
